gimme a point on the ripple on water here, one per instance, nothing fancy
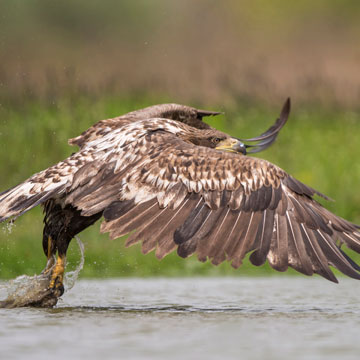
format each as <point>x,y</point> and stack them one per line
<point>195,318</point>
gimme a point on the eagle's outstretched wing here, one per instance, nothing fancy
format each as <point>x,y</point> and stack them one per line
<point>186,114</point>
<point>216,204</point>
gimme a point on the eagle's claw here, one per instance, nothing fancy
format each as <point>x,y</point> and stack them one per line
<point>57,288</point>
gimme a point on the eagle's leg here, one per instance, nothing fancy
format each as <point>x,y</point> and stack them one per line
<point>55,267</point>
<point>49,247</point>
<point>56,239</point>
<point>57,276</point>
<point>56,242</point>
<point>62,223</point>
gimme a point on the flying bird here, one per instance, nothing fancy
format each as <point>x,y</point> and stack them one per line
<point>173,182</point>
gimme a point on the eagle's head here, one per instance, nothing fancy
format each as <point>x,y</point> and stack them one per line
<point>214,139</point>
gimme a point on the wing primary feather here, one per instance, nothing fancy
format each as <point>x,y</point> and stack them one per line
<point>298,257</point>
<point>275,198</point>
<point>192,223</point>
<point>118,208</point>
<point>165,238</point>
<point>149,242</point>
<point>207,242</point>
<point>320,262</point>
<point>350,260</point>
<point>302,189</point>
<point>334,255</point>
<point>233,234</point>
<point>263,238</point>
<point>202,238</point>
<point>241,230</point>
<point>278,254</point>
<point>318,220</point>
<point>265,198</point>
<point>246,240</point>
<point>188,247</point>
<point>351,241</point>
<point>131,219</point>
<point>156,226</point>
<point>217,250</point>
<point>147,228</point>
<point>163,231</point>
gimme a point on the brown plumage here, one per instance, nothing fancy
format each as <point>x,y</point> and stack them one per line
<point>175,183</point>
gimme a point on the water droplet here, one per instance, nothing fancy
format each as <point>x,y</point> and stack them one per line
<point>7,227</point>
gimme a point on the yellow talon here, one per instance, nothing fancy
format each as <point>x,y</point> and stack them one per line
<point>58,273</point>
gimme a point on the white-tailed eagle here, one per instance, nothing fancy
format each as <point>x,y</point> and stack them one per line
<point>172,182</point>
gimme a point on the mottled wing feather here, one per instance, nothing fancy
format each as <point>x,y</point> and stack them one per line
<point>49,183</point>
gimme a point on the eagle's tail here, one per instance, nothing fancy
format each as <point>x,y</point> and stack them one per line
<point>32,192</point>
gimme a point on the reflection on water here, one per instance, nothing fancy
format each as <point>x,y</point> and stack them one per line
<point>212,318</point>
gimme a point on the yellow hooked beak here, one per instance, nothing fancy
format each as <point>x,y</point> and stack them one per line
<point>232,145</point>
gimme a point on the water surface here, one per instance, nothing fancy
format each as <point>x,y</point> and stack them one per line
<point>192,318</point>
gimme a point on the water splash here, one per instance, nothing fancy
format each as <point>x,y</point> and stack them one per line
<point>34,290</point>
<point>26,291</point>
<point>71,276</point>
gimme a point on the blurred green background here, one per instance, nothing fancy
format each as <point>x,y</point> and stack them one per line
<point>66,64</point>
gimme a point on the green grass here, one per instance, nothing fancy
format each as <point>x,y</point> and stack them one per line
<point>318,146</point>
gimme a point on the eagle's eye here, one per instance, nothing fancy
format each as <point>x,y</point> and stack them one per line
<point>215,140</point>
